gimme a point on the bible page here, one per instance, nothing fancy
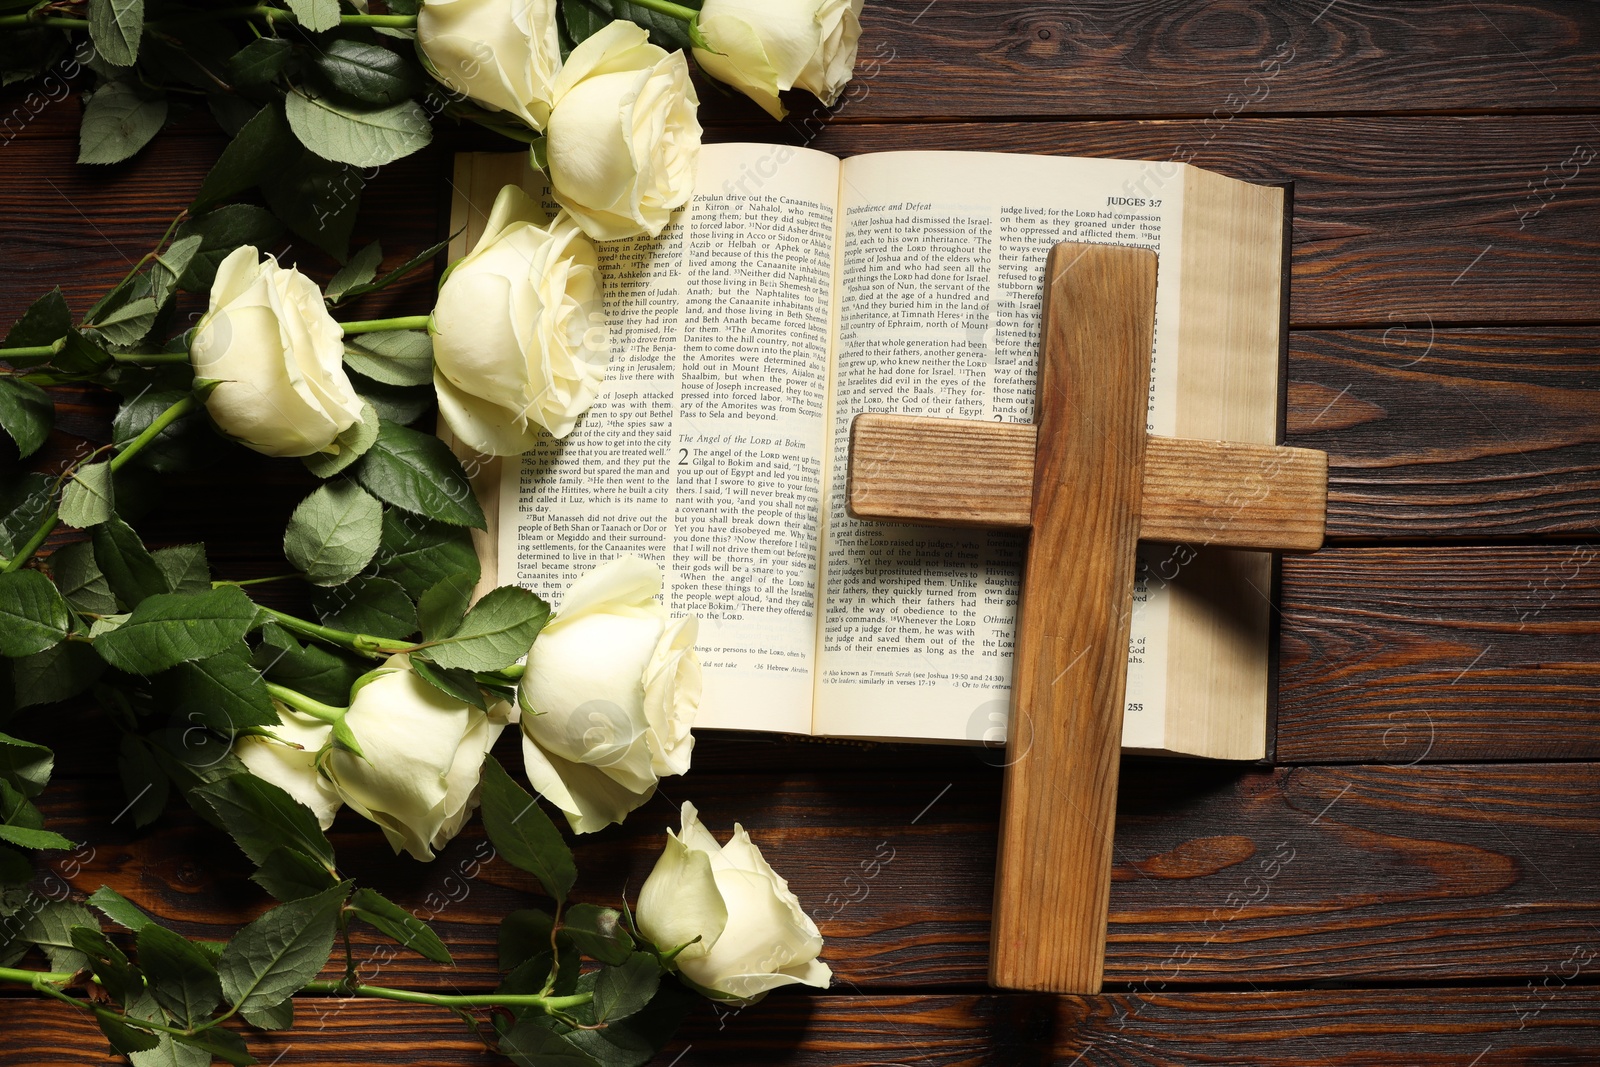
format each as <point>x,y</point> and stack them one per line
<point>704,451</point>
<point>940,293</point>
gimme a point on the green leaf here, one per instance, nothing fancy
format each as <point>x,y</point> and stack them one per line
<point>26,837</point>
<point>399,924</point>
<point>120,978</point>
<point>361,269</point>
<point>182,977</point>
<point>172,265</point>
<point>353,444</point>
<point>80,581</point>
<point>17,810</point>
<point>361,138</point>
<point>55,674</point>
<point>119,909</point>
<point>280,1017</point>
<point>261,817</point>
<point>401,405</point>
<point>274,957</point>
<point>497,632</point>
<point>131,571</point>
<point>417,472</point>
<point>420,554</point>
<point>170,1053</point>
<point>33,617</point>
<point>115,27</point>
<point>289,874</point>
<point>25,765</point>
<point>310,669</point>
<point>366,73</point>
<point>258,149</point>
<point>315,15</point>
<point>523,834</point>
<point>393,357</point>
<point>531,1043</point>
<point>524,936</point>
<point>334,533</point>
<point>174,448</point>
<point>173,628</point>
<point>81,357</point>
<point>118,120</point>
<point>622,990</point>
<point>259,62</point>
<point>24,504</point>
<point>221,230</point>
<point>221,1043</point>
<point>634,1041</point>
<point>375,606</point>
<point>582,20</point>
<point>598,932</point>
<point>125,1038</point>
<point>51,929</point>
<point>668,32</point>
<point>144,781</point>
<point>223,692</point>
<point>317,199</point>
<point>441,609</point>
<point>457,684</point>
<point>184,567</point>
<point>86,501</point>
<point>46,321</point>
<point>27,412</point>
<point>395,275</point>
<point>129,323</point>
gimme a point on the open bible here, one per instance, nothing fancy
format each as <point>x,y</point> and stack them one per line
<point>797,290</point>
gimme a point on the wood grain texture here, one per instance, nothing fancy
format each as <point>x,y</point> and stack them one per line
<point>1223,874</point>
<point>1315,1028</point>
<point>940,472</point>
<point>1446,433</point>
<point>1440,654</point>
<point>1113,57</point>
<point>1069,667</point>
<point>963,472</point>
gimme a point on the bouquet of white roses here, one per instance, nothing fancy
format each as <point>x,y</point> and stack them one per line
<point>389,700</point>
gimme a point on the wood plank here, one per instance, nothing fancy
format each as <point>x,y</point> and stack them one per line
<point>1444,433</point>
<point>1312,1028</point>
<point>1405,655</point>
<point>1115,57</point>
<point>1223,873</point>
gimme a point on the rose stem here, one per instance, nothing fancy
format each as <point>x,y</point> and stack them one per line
<point>150,433</point>
<point>403,322</point>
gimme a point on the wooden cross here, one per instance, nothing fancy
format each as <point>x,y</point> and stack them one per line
<point>1088,483</point>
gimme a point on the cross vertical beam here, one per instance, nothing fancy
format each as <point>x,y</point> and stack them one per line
<point>1053,880</point>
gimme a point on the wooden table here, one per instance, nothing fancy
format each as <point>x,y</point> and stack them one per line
<point>1414,878</point>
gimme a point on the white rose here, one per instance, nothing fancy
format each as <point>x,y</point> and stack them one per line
<point>770,45</point>
<point>499,53</point>
<point>279,355</point>
<point>519,337</point>
<point>623,137</point>
<point>422,753</point>
<point>754,936</point>
<point>294,770</point>
<point>614,686</point>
